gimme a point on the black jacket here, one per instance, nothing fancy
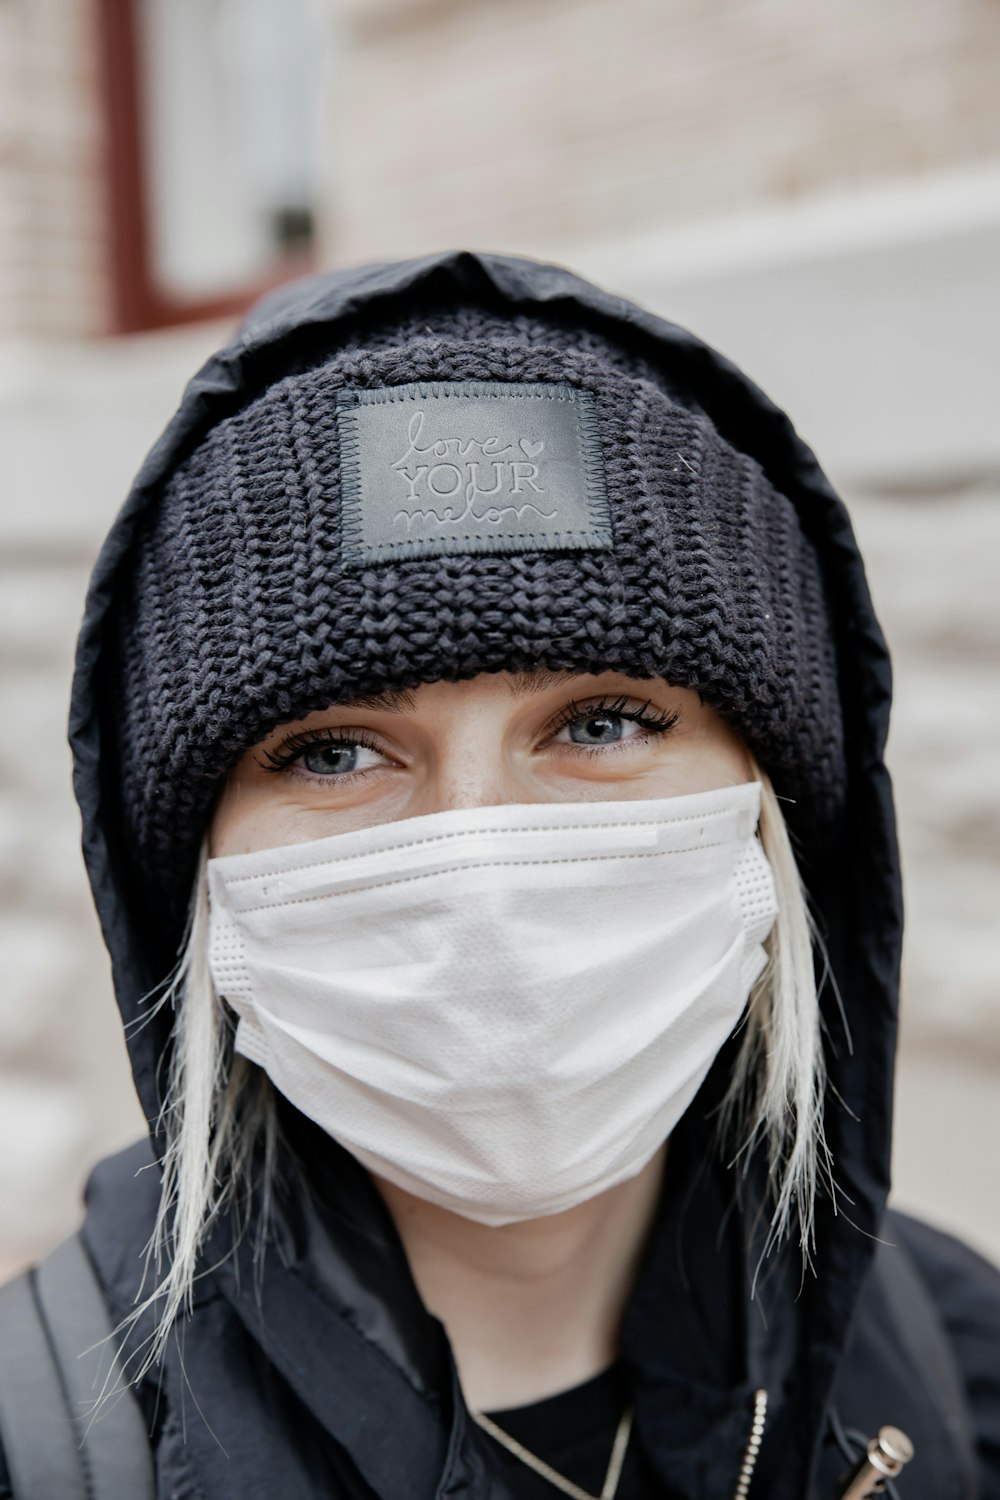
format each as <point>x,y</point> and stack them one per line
<point>318,1372</point>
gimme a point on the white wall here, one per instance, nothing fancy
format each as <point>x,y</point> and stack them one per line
<point>873,316</point>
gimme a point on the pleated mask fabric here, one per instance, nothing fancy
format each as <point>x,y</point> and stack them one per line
<point>503,1010</point>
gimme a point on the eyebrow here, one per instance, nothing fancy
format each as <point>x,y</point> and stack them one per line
<point>389,702</point>
<point>527,684</point>
<point>398,701</point>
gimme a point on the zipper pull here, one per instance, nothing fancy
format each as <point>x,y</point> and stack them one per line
<point>887,1455</point>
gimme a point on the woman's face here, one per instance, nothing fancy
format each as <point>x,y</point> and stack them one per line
<point>500,738</point>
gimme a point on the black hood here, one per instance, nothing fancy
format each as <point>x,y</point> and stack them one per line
<point>853,880</point>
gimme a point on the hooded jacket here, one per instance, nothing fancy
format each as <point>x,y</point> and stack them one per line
<point>317,1370</point>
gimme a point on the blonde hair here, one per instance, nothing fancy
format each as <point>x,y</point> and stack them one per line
<point>777,1089</point>
<point>220,1126</point>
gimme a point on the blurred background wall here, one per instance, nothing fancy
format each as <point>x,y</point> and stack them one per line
<point>814,188</point>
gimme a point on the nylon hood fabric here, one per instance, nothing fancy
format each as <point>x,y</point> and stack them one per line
<point>338,1331</point>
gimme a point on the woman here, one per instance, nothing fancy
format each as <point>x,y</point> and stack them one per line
<point>471,656</point>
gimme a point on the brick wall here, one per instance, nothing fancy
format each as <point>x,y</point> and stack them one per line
<point>53,275</point>
<point>533,123</point>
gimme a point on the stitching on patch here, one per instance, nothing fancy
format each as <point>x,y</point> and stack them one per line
<point>352,528</point>
<point>519,541</point>
<point>461,390</point>
<point>593,464</point>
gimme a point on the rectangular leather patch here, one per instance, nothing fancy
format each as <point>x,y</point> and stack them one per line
<point>470,466</point>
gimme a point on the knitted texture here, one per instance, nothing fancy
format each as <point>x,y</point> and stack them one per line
<point>238,615</point>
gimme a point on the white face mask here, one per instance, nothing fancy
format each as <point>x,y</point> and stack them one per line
<point>505,1010</point>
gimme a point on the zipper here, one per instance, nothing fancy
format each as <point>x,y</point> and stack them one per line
<point>752,1450</point>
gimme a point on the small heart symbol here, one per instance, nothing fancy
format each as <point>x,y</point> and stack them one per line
<point>531,449</point>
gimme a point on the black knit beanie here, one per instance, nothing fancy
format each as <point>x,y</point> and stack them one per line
<point>458,490</point>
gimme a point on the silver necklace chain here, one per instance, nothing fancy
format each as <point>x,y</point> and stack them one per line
<point>618,1454</point>
<point>752,1450</point>
<point>560,1481</point>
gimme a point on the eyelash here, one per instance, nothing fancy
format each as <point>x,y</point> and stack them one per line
<point>654,722</point>
<point>293,748</point>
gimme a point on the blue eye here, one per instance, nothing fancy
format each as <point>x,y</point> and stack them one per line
<point>595,726</point>
<point>331,760</point>
<point>599,729</point>
<point>324,754</point>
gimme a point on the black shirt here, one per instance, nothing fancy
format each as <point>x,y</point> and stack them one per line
<point>574,1433</point>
